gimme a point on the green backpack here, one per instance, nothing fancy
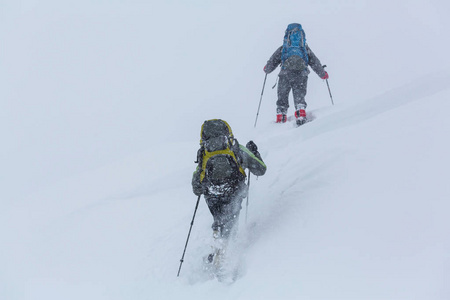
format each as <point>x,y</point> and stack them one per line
<point>218,157</point>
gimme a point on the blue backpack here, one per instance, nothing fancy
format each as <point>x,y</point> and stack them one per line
<point>294,55</point>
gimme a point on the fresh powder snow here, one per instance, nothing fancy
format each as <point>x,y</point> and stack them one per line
<point>101,108</point>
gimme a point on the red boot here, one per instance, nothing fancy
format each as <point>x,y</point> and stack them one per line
<point>300,115</point>
<point>281,118</point>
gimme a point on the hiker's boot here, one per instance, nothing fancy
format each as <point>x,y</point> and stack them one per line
<point>281,118</point>
<point>300,116</point>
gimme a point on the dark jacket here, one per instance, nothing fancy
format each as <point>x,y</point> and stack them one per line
<point>314,63</point>
<point>247,159</point>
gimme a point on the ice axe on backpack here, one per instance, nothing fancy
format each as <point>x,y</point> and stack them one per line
<point>324,66</point>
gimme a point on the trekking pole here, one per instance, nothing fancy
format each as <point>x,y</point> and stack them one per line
<point>248,195</point>
<point>187,240</point>
<point>261,99</point>
<point>324,66</point>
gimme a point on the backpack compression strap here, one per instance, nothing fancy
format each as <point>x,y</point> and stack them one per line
<point>208,155</point>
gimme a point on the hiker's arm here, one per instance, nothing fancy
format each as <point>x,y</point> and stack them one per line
<point>274,61</point>
<point>315,64</point>
<point>252,161</point>
<point>197,187</point>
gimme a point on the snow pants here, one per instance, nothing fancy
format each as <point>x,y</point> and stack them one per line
<point>225,211</point>
<point>297,82</point>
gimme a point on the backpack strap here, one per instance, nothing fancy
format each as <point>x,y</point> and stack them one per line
<point>206,155</point>
<point>200,153</point>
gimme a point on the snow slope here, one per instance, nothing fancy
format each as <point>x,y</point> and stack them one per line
<point>96,196</point>
<point>354,205</point>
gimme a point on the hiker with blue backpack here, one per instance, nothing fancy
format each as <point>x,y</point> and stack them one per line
<point>294,56</point>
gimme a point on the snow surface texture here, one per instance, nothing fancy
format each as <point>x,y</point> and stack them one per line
<point>100,109</point>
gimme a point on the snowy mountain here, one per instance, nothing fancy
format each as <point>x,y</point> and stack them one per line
<point>101,117</point>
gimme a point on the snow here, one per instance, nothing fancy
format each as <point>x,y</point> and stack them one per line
<point>100,115</point>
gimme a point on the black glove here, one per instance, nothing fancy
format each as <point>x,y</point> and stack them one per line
<point>199,189</point>
<point>252,147</point>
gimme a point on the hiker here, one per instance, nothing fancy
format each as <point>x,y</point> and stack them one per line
<point>294,56</point>
<point>220,174</point>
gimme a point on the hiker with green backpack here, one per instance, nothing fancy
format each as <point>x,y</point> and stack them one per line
<point>220,174</point>
<point>220,177</point>
<point>294,56</point>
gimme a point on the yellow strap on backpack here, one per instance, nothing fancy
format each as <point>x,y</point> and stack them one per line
<point>208,155</point>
